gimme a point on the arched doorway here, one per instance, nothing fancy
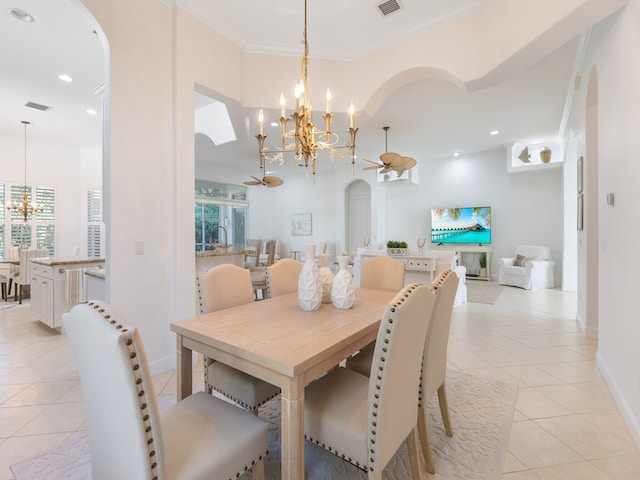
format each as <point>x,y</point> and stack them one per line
<point>358,214</point>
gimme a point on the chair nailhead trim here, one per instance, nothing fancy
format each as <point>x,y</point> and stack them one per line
<point>135,367</point>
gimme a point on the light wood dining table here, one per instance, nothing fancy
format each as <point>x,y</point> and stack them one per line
<point>277,341</point>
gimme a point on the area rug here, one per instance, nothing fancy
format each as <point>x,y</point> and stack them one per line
<point>481,414</point>
<point>482,292</point>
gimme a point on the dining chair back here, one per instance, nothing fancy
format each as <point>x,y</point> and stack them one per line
<point>282,277</point>
<point>199,437</point>
<point>22,277</point>
<point>364,420</point>
<point>253,260</point>
<point>434,360</point>
<point>382,273</point>
<point>226,286</point>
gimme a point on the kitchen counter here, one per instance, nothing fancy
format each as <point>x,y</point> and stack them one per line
<point>55,262</point>
<point>211,258</point>
<point>56,286</point>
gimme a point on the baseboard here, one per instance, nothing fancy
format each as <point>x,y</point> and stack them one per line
<point>627,413</point>
<point>163,365</point>
<point>589,332</point>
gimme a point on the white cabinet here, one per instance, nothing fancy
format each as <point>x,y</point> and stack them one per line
<point>469,256</point>
<point>48,299</point>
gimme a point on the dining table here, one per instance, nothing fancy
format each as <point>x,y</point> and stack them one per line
<point>276,341</point>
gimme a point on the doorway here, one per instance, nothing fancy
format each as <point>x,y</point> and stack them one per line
<point>358,215</point>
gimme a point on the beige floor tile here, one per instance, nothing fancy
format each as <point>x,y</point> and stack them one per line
<point>570,373</point>
<point>57,418</point>
<point>532,376</point>
<point>8,391</point>
<point>40,394</point>
<point>589,440</point>
<point>14,418</point>
<point>577,471</point>
<point>580,398</point>
<point>527,475</point>
<point>535,447</point>
<point>512,464</point>
<point>534,404</point>
<point>624,467</point>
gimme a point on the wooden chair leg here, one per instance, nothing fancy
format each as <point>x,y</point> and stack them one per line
<point>412,444</point>
<point>19,293</point>
<point>424,440</point>
<point>444,409</point>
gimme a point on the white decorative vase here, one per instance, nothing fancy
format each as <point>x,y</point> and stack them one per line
<point>343,289</point>
<point>309,282</point>
<point>326,277</point>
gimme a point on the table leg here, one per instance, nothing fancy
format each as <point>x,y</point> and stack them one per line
<point>184,370</point>
<point>292,431</point>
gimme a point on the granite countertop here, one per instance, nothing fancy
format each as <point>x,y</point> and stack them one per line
<point>50,261</point>
<point>212,253</point>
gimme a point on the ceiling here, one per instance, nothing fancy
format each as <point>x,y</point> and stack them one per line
<point>428,118</point>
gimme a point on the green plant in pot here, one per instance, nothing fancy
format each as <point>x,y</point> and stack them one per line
<point>396,248</point>
<point>483,265</point>
<point>395,244</point>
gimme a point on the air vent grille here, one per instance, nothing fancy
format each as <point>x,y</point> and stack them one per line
<point>389,7</point>
<point>37,106</point>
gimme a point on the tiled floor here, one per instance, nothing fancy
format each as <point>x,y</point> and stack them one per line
<point>566,425</point>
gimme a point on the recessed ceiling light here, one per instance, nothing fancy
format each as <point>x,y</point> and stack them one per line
<point>494,132</point>
<point>274,124</point>
<point>21,15</point>
<point>536,142</point>
<point>91,111</point>
<point>65,78</point>
<point>456,154</point>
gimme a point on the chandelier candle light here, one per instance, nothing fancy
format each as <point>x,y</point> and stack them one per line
<point>25,208</point>
<point>303,140</point>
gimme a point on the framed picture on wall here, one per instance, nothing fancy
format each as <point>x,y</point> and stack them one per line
<point>301,224</point>
<point>580,168</point>
<point>580,213</point>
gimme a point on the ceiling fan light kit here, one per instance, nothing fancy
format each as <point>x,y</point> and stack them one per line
<point>391,161</point>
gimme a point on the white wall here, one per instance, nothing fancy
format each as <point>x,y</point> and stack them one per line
<point>70,170</point>
<point>613,51</point>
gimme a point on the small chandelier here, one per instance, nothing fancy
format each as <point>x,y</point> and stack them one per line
<point>25,208</point>
<point>303,140</point>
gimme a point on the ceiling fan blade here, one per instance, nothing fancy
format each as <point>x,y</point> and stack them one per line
<point>391,158</point>
<point>407,163</point>
<point>373,167</point>
<point>252,183</point>
<point>272,182</point>
<point>370,161</point>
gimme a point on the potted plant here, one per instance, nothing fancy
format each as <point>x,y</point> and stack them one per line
<point>395,248</point>
<point>483,265</point>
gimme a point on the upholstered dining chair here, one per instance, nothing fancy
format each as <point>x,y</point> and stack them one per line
<point>259,273</point>
<point>382,273</point>
<point>22,277</point>
<point>226,286</point>
<point>199,437</point>
<point>434,361</point>
<point>365,420</point>
<point>282,277</point>
<point>254,259</point>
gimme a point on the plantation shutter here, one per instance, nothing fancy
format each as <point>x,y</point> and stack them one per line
<point>94,222</point>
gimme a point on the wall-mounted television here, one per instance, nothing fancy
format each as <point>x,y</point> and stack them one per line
<point>468,225</point>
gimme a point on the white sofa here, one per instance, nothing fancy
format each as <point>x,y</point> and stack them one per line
<point>531,268</point>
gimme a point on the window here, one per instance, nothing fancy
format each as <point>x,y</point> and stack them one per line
<point>94,223</point>
<point>39,229</point>
<point>220,210</point>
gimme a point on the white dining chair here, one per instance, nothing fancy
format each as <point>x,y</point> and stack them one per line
<point>364,420</point>
<point>22,277</point>
<point>434,362</point>
<point>282,277</point>
<point>226,286</point>
<point>199,437</point>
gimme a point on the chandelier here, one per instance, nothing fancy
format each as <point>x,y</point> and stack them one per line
<point>25,208</point>
<point>303,140</point>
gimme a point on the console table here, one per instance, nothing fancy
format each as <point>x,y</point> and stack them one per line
<point>460,249</point>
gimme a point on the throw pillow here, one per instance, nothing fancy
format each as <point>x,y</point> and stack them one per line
<point>518,261</point>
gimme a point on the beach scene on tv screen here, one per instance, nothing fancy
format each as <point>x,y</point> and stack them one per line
<point>461,225</point>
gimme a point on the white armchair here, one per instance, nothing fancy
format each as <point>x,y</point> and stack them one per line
<point>531,268</point>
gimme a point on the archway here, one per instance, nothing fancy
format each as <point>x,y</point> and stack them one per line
<point>358,214</point>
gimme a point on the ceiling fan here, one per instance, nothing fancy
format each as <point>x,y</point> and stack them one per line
<point>390,160</point>
<point>266,180</point>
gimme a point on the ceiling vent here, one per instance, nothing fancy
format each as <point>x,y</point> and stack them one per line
<point>37,106</point>
<point>389,7</point>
